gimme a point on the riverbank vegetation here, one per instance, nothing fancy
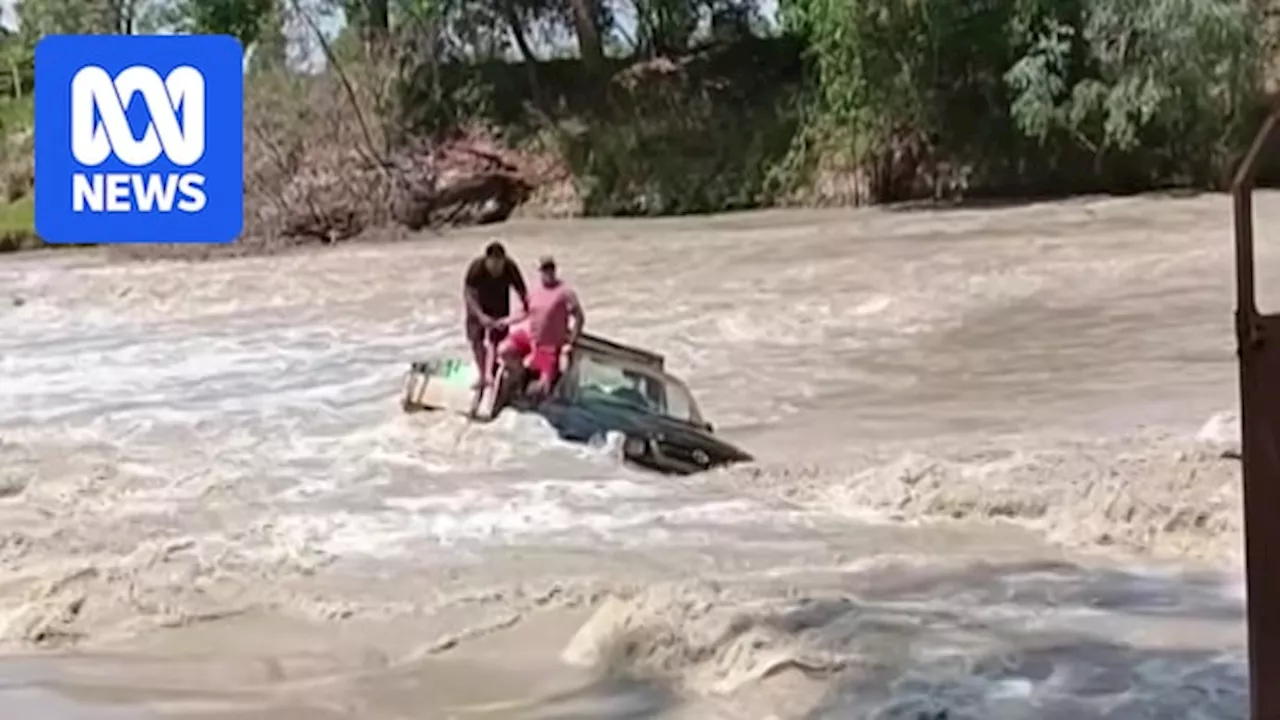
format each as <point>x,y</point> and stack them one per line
<point>368,114</point>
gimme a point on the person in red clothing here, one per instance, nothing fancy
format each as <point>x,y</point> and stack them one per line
<point>555,321</point>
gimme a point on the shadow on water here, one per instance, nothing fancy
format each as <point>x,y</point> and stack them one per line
<point>611,698</point>
<point>1020,641</point>
<point>1027,199</point>
<point>1042,641</point>
<point>1065,678</point>
<point>1064,585</point>
<point>986,641</point>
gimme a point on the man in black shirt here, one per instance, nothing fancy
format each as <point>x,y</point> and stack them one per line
<point>486,295</point>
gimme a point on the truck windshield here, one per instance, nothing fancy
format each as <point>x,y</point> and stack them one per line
<point>600,380</point>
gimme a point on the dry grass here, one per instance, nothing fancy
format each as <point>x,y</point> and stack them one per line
<point>325,163</point>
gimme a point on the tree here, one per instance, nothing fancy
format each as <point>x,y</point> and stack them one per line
<point>1183,75</point>
<point>244,19</point>
<point>586,23</point>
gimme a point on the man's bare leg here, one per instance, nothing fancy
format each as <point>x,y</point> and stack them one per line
<point>480,351</point>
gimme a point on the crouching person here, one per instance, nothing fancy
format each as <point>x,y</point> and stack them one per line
<point>555,322</point>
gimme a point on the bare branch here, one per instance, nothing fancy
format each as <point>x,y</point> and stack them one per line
<point>378,158</point>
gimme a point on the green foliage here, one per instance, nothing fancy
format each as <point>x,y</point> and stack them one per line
<point>17,216</point>
<point>1029,93</point>
<point>1173,78</point>
<point>694,111</point>
<point>17,225</point>
<point>692,140</point>
<point>244,19</point>
<point>703,161</point>
<point>664,26</point>
<point>16,115</point>
<point>37,18</point>
<point>890,75</point>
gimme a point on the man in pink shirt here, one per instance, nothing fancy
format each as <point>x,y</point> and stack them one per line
<point>548,333</point>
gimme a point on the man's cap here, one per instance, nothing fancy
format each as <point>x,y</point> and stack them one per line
<point>495,250</point>
<point>546,262</point>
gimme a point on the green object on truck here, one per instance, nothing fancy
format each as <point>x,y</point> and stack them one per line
<point>457,372</point>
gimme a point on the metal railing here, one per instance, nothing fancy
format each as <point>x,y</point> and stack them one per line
<point>1258,347</point>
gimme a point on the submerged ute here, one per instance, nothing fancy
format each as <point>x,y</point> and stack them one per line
<point>604,387</point>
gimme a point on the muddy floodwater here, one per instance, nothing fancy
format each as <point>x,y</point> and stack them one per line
<point>991,480</point>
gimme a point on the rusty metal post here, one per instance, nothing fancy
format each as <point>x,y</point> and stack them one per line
<point>1258,346</point>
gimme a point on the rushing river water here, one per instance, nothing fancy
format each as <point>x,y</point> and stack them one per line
<point>980,492</point>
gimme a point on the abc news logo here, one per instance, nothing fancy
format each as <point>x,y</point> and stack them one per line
<point>100,129</point>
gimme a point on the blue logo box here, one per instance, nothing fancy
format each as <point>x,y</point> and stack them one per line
<point>139,139</point>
